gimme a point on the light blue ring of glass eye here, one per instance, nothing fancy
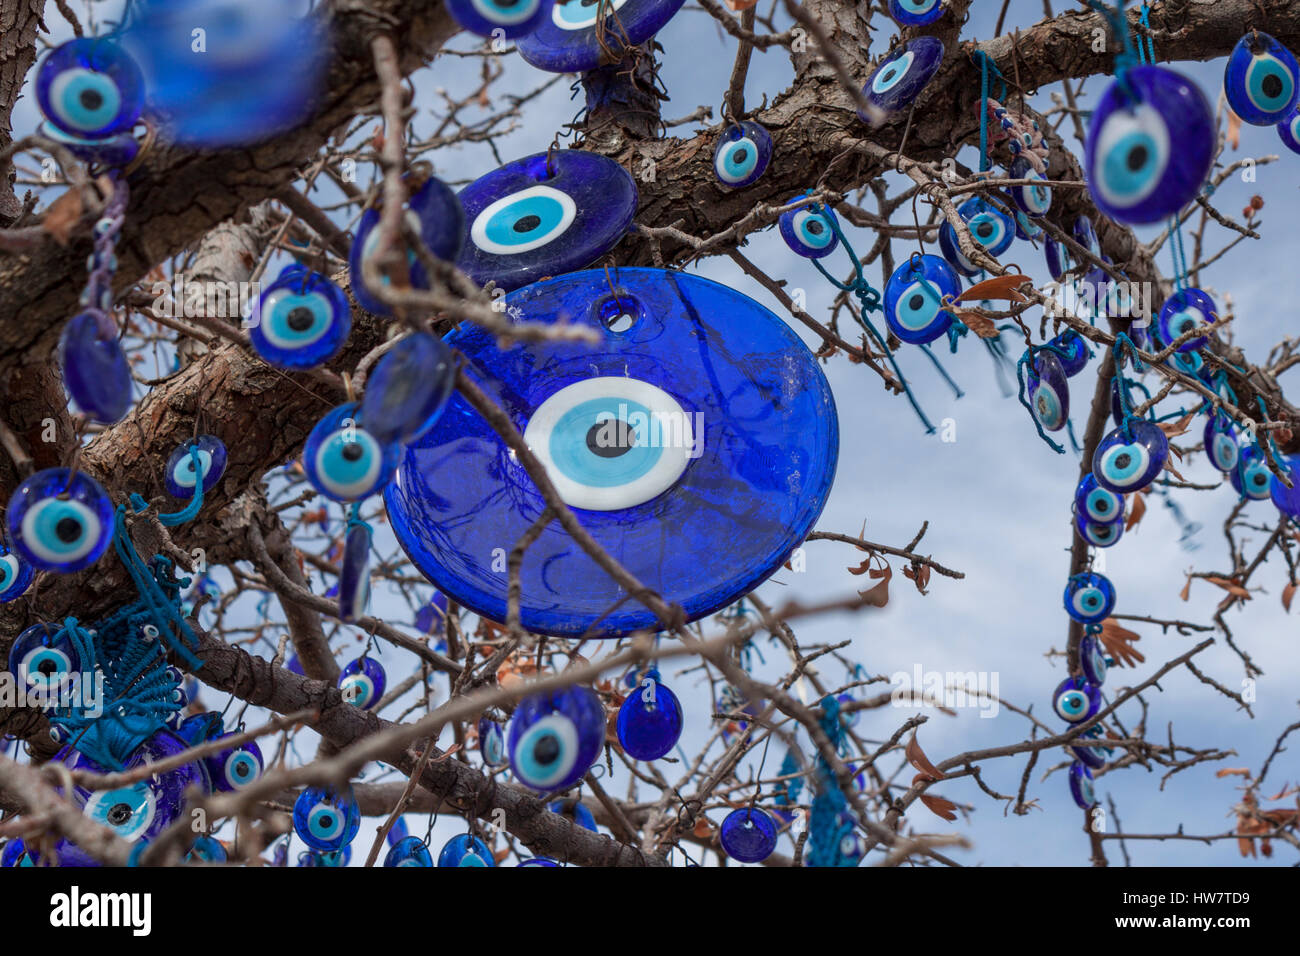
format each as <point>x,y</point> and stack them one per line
<point>493,229</point>
<point>893,73</point>
<point>495,13</point>
<point>15,576</point>
<point>65,92</point>
<point>1125,475</point>
<point>344,478</point>
<point>542,776</point>
<point>278,306</point>
<point>1047,406</point>
<point>40,536</point>
<point>585,19</point>
<point>733,171</point>
<point>1114,505</point>
<point>1118,141</point>
<point>1261,67</point>
<point>241,769</point>
<point>819,239</point>
<point>137,796</point>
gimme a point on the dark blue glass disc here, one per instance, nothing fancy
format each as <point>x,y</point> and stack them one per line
<point>1081,786</point>
<point>59,521</point>
<point>915,13</point>
<point>1089,597</point>
<point>354,574</point>
<point>1124,463</point>
<point>649,721</point>
<point>1287,499</point>
<point>408,389</point>
<point>503,18</point>
<point>902,75</point>
<point>748,835</point>
<point>15,575</point>
<point>535,218</point>
<point>1252,478</point>
<point>179,476</point>
<point>302,320</point>
<point>90,88</point>
<point>699,444</point>
<point>567,41</point>
<point>1261,80</point>
<point>408,851</point>
<point>95,370</point>
<point>1289,131</point>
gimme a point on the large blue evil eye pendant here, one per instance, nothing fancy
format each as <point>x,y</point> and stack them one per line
<point>1076,700</point>
<point>1092,658</point>
<point>555,737</point>
<point>1287,499</point>
<point>492,743</point>
<point>235,767</point>
<point>466,850</point>
<point>434,214</point>
<point>409,851</point>
<point>90,88</point>
<point>15,575</point>
<point>1081,788</point>
<point>809,231</point>
<point>345,462</point>
<point>666,438</point>
<point>181,477</point>
<point>95,370</point>
<point>1186,311</point>
<point>59,521</point>
<point>544,215</point>
<point>1150,145</point>
<point>326,819</point>
<point>1096,503</point>
<point>914,298</point>
<point>408,389</point>
<point>1049,392</point>
<point>915,13</point>
<point>1073,352</point>
<point>571,41</point>
<point>1251,478</point>
<point>1089,597</point>
<point>302,320</point>
<point>1289,131</point>
<point>363,682</point>
<point>1099,534</point>
<point>903,74</point>
<point>1130,457</point>
<point>1262,80</point>
<point>45,662</point>
<point>989,227</point>
<point>499,18</point>
<point>354,574</point>
<point>748,835</point>
<point>650,720</point>
<point>1033,199</point>
<point>742,154</point>
<point>1221,445</point>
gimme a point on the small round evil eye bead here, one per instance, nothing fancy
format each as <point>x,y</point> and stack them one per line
<point>301,321</point>
<point>1034,199</point>
<point>1287,499</point>
<point>649,720</point>
<point>1076,700</point>
<point>1096,503</point>
<point>499,18</point>
<point>1186,311</point>
<point>95,371</point>
<point>436,216</point>
<point>1262,80</point>
<point>1056,255</point>
<point>808,230</point>
<point>748,835</point>
<point>1092,757</point>
<point>1081,788</point>
<point>1251,478</point>
<point>180,476</point>
<point>59,521</point>
<point>902,75</point>
<point>1221,445</point>
<point>989,226</point>
<point>492,742</point>
<point>555,737</point>
<point>235,767</point>
<point>90,88</point>
<point>408,851</point>
<point>1073,352</point>
<point>44,661</point>
<point>343,460</point>
<point>1289,131</point>
<point>1148,157</point>
<point>538,861</point>
<point>1089,598</point>
<point>575,811</point>
<point>1049,392</point>
<point>914,298</point>
<point>15,575</point>
<point>1125,463</point>
<point>1093,660</point>
<point>1099,534</point>
<point>408,389</point>
<point>363,682</point>
<point>1026,228</point>
<point>466,850</point>
<point>326,819</point>
<point>915,13</point>
<point>742,154</point>
<point>207,849</point>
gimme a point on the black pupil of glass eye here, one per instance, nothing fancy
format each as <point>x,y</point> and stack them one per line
<point>889,74</point>
<point>1260,479</point>
<point>1272,85</point>
<point>527,223</point>
<point>352,451</point>
<point>300,318</point>
<point>47,667</point>
<point>984,230</point>
<point>814,226</point>
<point>1103,506</point>
<point>1123,460</point>
<point>68,530</point>
<point>588,3</point>
<point>740,154</point>
<point>916,301</point>
<point>598,438</point>
<point>119,813</point>
<point>1137,157</point>
<point>326,821</point>
<point>91,99</point>
<point>547,750</point>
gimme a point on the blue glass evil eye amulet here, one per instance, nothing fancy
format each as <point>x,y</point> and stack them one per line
<point>1221,445</point>
<point>345,462</point>
<point>302,320</point>
<point>1081,788</point>
<point>915,13</point>
<point>901,76</point>
<point>235,767</point>
<point>1261,80</point>
<point>650,720</point>
<point>1287,500</point>
<point>555,737</point>
<point>570,41</point>
<point>180,475</point>
<point>1076,700</point>
<point>742,154</point>
<point>409,851</point>
<point>95,370</point>
<point>1251,478</point>
<point>1089,598</point>
<point>354,573</point>
<point>512,18</point>
<point>15,575</point>
<point>408,389</point>
<point>1099,534</point>
<point>59,521</point>
<point>90,88</point>
<point>363,682</point>
<point>699,465</point>
<point>544,216</point>
<point>748,835</point>
<point>913,299</point>
<point>1149,151</point>
<point>45,661</point>
<point>466,850</point>
<point>1185,311</point>
<point>326,819</point>
<point>809,231</point>
<point>1096,503</point>
<point>1049,392</point>
<point>1125,464</point>
<point>989,227</point>
<point>1289,131</point>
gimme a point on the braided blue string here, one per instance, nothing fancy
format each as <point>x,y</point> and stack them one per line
<point>831,820</point>
<point>164,613</point>
<point>1024,392</point>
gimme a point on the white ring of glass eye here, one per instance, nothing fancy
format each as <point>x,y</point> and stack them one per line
<point>1091,533</point>
<point>89,522</point>
<point>113,797</point>
<point>363,484</point>
<point>230,778</point>
<point>372,238</point>
<point>614,5</point>
<point>1072,718</point>
<point>918,288</point>
<point>361,595</point>
<point>1110,496</point>
<point>673,459</point>
<point>1143,456</point>
<point>563,728</point>
<point>10,561</point>
<point>1029,194</point>
<point>497,15</point>
<point>1253,491</point>
<point>720,163</point>
<point>1222,438</point>
<point>1056,399</point>
<point>65,79</point>
<point>1077,601</point>
<point>817,242</point>
<point>185,477</point>
<point>1282,68</point>
<point>63,677</point>
<point>335,831</point>
<point>362,685</point>
<point>1121,123</point>
<point>478,231</point>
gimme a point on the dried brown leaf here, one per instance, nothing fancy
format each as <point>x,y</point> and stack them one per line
<point>917,758</point>
<point>1232,772</point>
<point>878,595</point>
<point>978,323</point>
<point>1135,512</point>
<point>1119,640</point>
<point>1229,585</point>
<point>1174,429</point>
<point>63,215</point>
<point>1288,593</point>
<point>940,806</point>
<point>999,287</point>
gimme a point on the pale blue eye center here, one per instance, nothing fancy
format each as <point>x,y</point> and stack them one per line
<point>62,526</point>
<point>85,99</point>
<point>348,458</point>
<point>1130,164</point>
<point>1269,84</point>
<point>606,442</point>
<point>525,220</point>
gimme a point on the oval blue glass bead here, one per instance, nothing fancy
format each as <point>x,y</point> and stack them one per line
<point>748,835</point>
<point>915,13</point>
<point>15,854</point>
<point>1252,477</point>
<point>1289,131</point>
<point>90,88</point>
<point>59,521</point>
<point>363,682</point>
<point>235,767</point>
<point>568,41</point>
<point>1096,503</point>
<point>408,851</point>
<point>45,661</point>
<point>492,742</point>
<point>1049,392</point>
<point>1221,444</point>
<point>701,469</point>
<point>301,321</point>
<point>1081,788</point>
<point>539,217</point>
<point>808,230</point>
<point>1261,80</point>
<point>989,227</point>
<point>1092,757</point>
<point>1089,597</point>
<point>575,811</point>
<point>15,575</point>
<point>354,574</point>
<point>326,819</point>
<point>408,389</point>
<point>913,299</point>
<point>742,154</point>
<point>500,18</point>
<point>903,74</point>
<point>466,850</point>
<point>1286,499</point>
<point>1034,200</point>
<point>1125,466</point>
<point>1092,658</point>
<point>397,832</point>
<point>1058,258</point>
<point>207,849</point>
<point>1184,311</point>
<point>435,214</point>
<point>345,462</point>
<point>538,861</point>
<point>95,370</point>
<point>179,475</point>
<point>1075,350</point>
<point>649,729</point>
<point>555,737</point>
<point>1076,700</point>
